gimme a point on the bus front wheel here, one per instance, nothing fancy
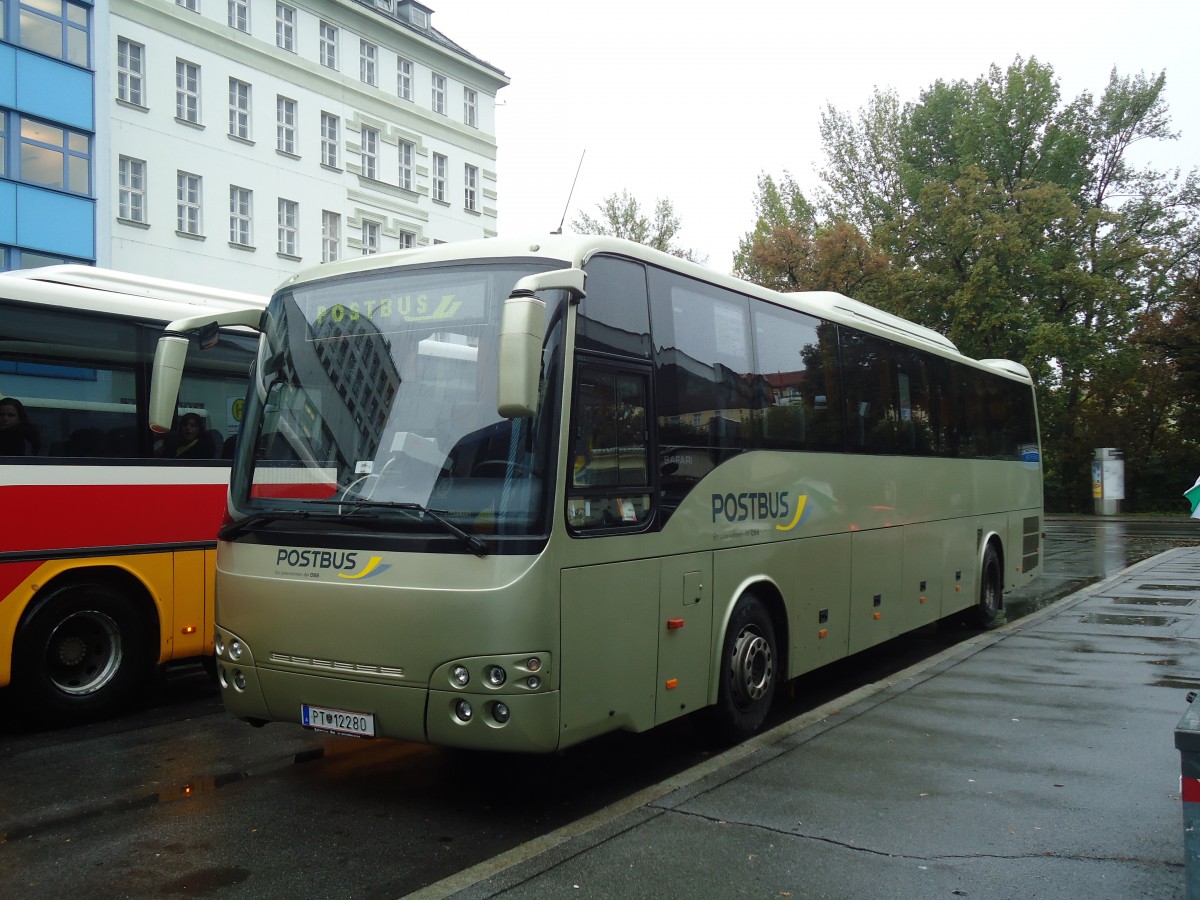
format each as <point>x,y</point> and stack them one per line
<point>749,671</point>
<point>991,586</point>
<point>77,655</point>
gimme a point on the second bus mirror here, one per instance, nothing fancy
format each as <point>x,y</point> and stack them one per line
<point>169,357</point>
<point>522,328</point>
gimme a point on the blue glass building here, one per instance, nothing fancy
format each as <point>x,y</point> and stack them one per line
<point>47,133</point>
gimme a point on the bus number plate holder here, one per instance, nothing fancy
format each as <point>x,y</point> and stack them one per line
<point>337,721</point>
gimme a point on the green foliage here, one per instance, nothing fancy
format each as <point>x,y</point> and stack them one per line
<point>620,215</point>
<point>1016,223</point>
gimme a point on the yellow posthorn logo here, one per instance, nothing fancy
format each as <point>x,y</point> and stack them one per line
<point>800,503</point>
<point>372,569</point>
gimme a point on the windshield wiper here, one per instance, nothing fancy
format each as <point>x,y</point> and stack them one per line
<point>474,542</point>
<point>254,520</point>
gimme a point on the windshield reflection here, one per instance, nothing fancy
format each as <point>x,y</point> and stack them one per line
<point>381,390</point>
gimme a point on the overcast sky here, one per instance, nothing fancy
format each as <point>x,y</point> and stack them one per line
<point>693,100</point>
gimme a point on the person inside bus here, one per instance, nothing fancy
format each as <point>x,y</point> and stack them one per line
<point>191,441</point>
<point>18,436</point>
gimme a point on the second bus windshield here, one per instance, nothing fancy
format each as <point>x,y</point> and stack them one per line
<point>381,389</point>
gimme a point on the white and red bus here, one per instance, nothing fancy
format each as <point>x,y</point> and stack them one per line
<point>108,530</point>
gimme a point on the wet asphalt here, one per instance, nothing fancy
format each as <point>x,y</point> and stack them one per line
<point>1034,761</point>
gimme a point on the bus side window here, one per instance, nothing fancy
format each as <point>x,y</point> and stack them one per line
<point>610,473</point>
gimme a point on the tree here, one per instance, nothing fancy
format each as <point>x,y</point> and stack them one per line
<point>621,216</point>
<point>789,251</point>
<point>1015,222</point>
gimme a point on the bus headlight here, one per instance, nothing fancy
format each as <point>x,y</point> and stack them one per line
<point>239,679</point>
<point>219,644</point>
<point>460,675</point>
<point>463,710</point>
<point>534,682</point>
<point>235,649</point>
<point>500,713</point>
<point>495,675</point>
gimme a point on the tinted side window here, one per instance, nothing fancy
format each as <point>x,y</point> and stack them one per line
<point>873,413</point>
<point>796,381</point>
<point>83,382</point>
<point>702,343</point>
<point>77,376</point>
<point>614,317</point>
<point>610,472</point>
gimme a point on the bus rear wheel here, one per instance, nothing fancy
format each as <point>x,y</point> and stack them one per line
<point>749,672</point>
<point>78,654</point>
<point>991,587</point>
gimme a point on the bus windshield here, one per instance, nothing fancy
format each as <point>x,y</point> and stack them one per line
<point>374,399</point>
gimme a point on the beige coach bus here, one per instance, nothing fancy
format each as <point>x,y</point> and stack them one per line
<point>510,494</point>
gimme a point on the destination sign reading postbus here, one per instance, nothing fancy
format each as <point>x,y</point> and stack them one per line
<point>402,309</point>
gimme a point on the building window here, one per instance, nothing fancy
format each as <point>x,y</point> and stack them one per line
<point>239,15</point>
<point>187,91</point>
<point>239,215</point>
<point>131,189</point>
<point>406,164</point>
<point>370,152</point>
<point>285,27</point>
<point>330,126</point>
<point>187,203</point>
<point>404,77</point>
<point>471,107</point>
<point>131,68</point>
<point>439,178</point>
<point>439,93</point>
<point>408,240</point>
<point>285,125</point>
<point>55,157</point>
<point>239,109</point>
<point>368,54</point>
<point>470,187</point>
<point>189,5</point>
<point>329,37</point>
<point>370,238</point>
<point>58,28</point>
<point>331,236</point>
<point>288,214</point>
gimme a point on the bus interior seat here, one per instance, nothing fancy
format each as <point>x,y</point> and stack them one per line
<point>86,442</point>
<point>122,443</point>
<point>215,442</point>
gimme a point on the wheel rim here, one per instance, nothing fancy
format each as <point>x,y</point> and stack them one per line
<point>751,668</point>
<point>991,593</point>
<point>84,652</point>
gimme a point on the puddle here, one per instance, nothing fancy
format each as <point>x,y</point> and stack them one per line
<point>1188,588</point>
<point>1164,662</point>
<point>1153,601</point>
<point>1109,619</point>
<point>1182,683</point>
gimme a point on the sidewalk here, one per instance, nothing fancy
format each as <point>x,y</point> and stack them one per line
<point>1035,761</point>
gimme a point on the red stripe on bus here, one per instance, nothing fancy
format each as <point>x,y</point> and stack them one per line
<point>1191,790</point>
<point>59,517</point>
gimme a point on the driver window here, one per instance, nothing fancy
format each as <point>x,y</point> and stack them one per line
<point>609,480</point>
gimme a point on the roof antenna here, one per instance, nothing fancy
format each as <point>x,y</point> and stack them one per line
<point>570,195</point>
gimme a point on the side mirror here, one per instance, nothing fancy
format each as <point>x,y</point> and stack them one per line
<point>522,329</point>
<point>171,353</point>
<point>169,357</point>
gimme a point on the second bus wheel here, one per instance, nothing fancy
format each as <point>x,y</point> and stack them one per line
<point>749,671</point>
<point>78,653</point>
<point>991,587</point>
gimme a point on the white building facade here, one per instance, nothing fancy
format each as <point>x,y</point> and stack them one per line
<point>248,139</point>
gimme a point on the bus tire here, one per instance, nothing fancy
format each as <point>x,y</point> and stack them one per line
<point>749,673</point>
<point>991,587</point>
<point>78,654</point>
